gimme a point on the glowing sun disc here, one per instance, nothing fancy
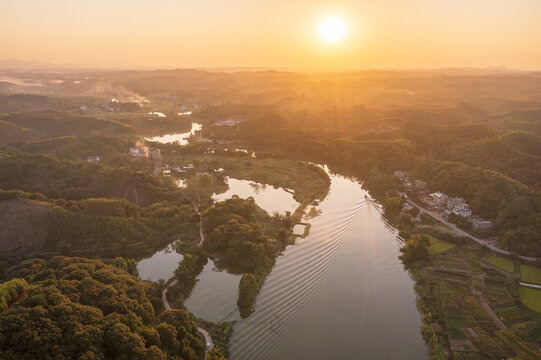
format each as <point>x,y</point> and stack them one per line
<point>332,30</point>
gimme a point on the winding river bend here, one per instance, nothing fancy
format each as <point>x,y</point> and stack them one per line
<point>339,293</point>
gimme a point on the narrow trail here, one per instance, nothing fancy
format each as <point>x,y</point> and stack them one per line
<point>201,235</point>
<point>167,306</point>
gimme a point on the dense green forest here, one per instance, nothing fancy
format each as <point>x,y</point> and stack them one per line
<point>74,308</point>
<point>75,180</point>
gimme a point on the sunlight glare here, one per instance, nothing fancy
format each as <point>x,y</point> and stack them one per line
<point>332,30</point>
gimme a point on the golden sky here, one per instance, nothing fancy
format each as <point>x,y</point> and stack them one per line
<point>273,33</point>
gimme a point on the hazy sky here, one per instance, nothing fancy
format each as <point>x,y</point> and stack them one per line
<point>273,33</point>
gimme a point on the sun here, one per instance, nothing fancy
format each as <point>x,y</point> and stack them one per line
<point>332,30</point>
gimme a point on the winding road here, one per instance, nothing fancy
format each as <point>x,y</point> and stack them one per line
<point>167,306</point>
<point>463,233</point>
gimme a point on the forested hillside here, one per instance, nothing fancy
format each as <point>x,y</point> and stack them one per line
<point>73,308</point>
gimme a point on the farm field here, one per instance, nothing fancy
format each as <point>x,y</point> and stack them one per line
<point>438,246</point>
<point>530,274</point>
<point>530,297</point>
<point>501,263</point>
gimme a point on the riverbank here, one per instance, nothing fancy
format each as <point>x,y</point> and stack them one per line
<point>470,300</point>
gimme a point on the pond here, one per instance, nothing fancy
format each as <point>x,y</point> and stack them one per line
<point>268,198</point>
<point>182,138</point>
<point>161,265</point>
<point>214,297</point>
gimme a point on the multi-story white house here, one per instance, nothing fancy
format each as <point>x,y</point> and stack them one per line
<point>439,198</point>
<point>463,211</point>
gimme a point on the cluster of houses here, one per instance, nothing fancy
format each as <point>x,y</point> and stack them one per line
<point>141,152</point>
<point>443,203</point>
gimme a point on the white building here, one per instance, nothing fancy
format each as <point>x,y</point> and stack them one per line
<point>480,224</point>
<point>140,152</point>
<point>454,202</point>
<point>420,184</point>
<point>91,159</point>
<point>463,211</point>
<point>439,198</point>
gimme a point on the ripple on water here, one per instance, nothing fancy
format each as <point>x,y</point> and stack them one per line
<point>341,293</point>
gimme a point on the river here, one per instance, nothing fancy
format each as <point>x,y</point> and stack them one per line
<point>339,293</point>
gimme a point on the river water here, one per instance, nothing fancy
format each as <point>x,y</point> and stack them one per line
<point>339,293</point>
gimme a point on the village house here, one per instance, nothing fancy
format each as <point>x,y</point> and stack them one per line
<point>438,198</point>
<point>463,211</point>
<point>91,159</point>
<point>480,224</point>
<point>420,185</point>
<point>155,153</point>
<point>407,183</point>
<point>454,202</point>
<point>139,152</point>
<point>459,206</point>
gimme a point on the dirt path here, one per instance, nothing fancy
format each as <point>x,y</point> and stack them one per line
<point>164,295</point>
<point>201,235</point>
<point>167,306</point>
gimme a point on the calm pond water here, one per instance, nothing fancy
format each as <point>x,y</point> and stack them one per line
<point>266,196</point>
<point>214,297</point>
<point>161,265</point>
<point>182,138</point>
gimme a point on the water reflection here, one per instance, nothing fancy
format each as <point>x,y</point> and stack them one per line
<point>160,114</point>
<point>267,197</point>
<point>340,293</point>
<point>182,138</point>
<point>161,265</point>
<point>214,297</point>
